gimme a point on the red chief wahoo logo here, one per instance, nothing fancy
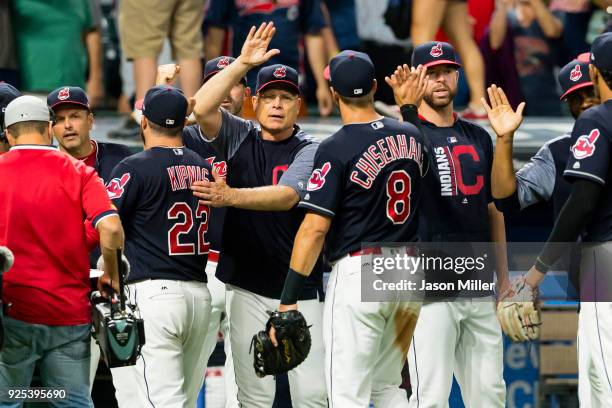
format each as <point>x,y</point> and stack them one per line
<point>585,145</point>
<point>63,94</point>
<point>436,50</point>
<point>575,73</point>
<point>223,62</point>
<point>219,167</point>
<point>317,179</point>
<point>116,187</point>
<point>280,72</point>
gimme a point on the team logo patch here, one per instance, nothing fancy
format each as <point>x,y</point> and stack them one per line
<point>436,50</point>
<point>317,179</point>
<point>116,187</point>
<point>585,145</point>
<point>219,167</point>
<point>451,139</point>
<point>280,72</point>
<point>223,62</point>
<point>63,94</point>
<point>575,74</point>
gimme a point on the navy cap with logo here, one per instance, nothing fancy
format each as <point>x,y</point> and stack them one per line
<point>277,75</point>
<point>351,73</point>
<point>72,95</point>
<point>7,94</point>
<point>165,106</point>
<point>217,64</point>
<point>601,52</point>
<point>574,76</point>
<point>434,53</point>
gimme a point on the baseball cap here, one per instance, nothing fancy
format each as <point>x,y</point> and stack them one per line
<point>277,74</point>
<point>217,64</point>
<point>434,53</point>
<point>573,76</point>
<point>351,73</point>
<point>7,94</point>
<point>165,106</point>
<point>26,109</point>
<point>601,52</point>
<point>68,95</point>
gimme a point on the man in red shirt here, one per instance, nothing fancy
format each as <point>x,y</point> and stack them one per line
<point>46,197</point>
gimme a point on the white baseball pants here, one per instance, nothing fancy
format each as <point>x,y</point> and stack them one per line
<point>247,316</point>
<point>219,322</point>
<point>365,342</point>
<point>461,337</point>
<point>170,371</point>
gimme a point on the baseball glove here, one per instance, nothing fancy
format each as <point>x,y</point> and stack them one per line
<point>518,314</point>
<point>293,337</point>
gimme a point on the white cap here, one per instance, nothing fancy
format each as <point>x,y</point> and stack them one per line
<point>26,109</point>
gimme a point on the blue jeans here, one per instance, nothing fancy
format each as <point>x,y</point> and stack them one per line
<point>62,354</point>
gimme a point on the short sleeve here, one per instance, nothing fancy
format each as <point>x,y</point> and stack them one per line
<point>312,20</point>
<point>300,169</point>
<point>536,179</point>
<point>590,152</point>
<point>94,199</point>
<point>218,13</point>
<point>124,189</point>
<point>324,188</point>
<point>233,132</point>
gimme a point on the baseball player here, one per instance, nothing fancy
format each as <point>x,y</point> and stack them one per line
<point>352,199</point>
<point>7,94</point>
<point>268,168</point>
<point>461,336</point>
<point>195,141</point>
<point>46,197</point>
<point>588,209</point>
<point>542,178</point>
<point>73,122</point>
<point>167,246</point>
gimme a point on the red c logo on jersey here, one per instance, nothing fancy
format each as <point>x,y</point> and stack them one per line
<point>575,74</point>
<point>116,187</point>
<point>280,72</point>
<point>436,50</point>
<point>585,145</point>
<point>317,179</point>
<point>63,94</point>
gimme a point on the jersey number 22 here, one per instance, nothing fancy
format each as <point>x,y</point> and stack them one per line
<point>182,212</point>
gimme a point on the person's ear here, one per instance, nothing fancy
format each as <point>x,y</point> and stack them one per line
<point>335,96</point>
<point>12,141</point>
<point>594,74</point>
<point>50,133</point>
<point>90,120</point>
<point>374,86</point>
<point>254,101</point>
<point>144,123</point>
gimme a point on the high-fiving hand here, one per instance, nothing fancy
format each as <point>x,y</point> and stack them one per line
<point>503,119</point>
<point>255,48</point>
<point>408,84</point>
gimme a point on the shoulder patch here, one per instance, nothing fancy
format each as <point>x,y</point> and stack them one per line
<point>585,145</point>
<point>317,179</point>
<point>116,187</point>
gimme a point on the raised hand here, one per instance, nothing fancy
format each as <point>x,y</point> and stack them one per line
<point>408,84</point>
<point>255,48</point>
<point>503,119</point>
<point>167,74</point>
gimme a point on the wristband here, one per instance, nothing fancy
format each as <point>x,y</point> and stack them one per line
<point>541,266</point>
<point>294,283</point>
<point>410,113</point>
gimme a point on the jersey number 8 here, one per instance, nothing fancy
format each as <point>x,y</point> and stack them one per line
<point>182,210</point>
<point>398,196</point>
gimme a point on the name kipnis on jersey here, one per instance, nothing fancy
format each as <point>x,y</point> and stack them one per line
<point>182,177</point>
<point>374,159</point>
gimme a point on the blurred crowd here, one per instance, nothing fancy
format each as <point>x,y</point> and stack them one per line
<point>111,48</point>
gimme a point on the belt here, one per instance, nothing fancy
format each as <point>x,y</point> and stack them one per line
<point>412,251</point>
<point>213,256</point>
